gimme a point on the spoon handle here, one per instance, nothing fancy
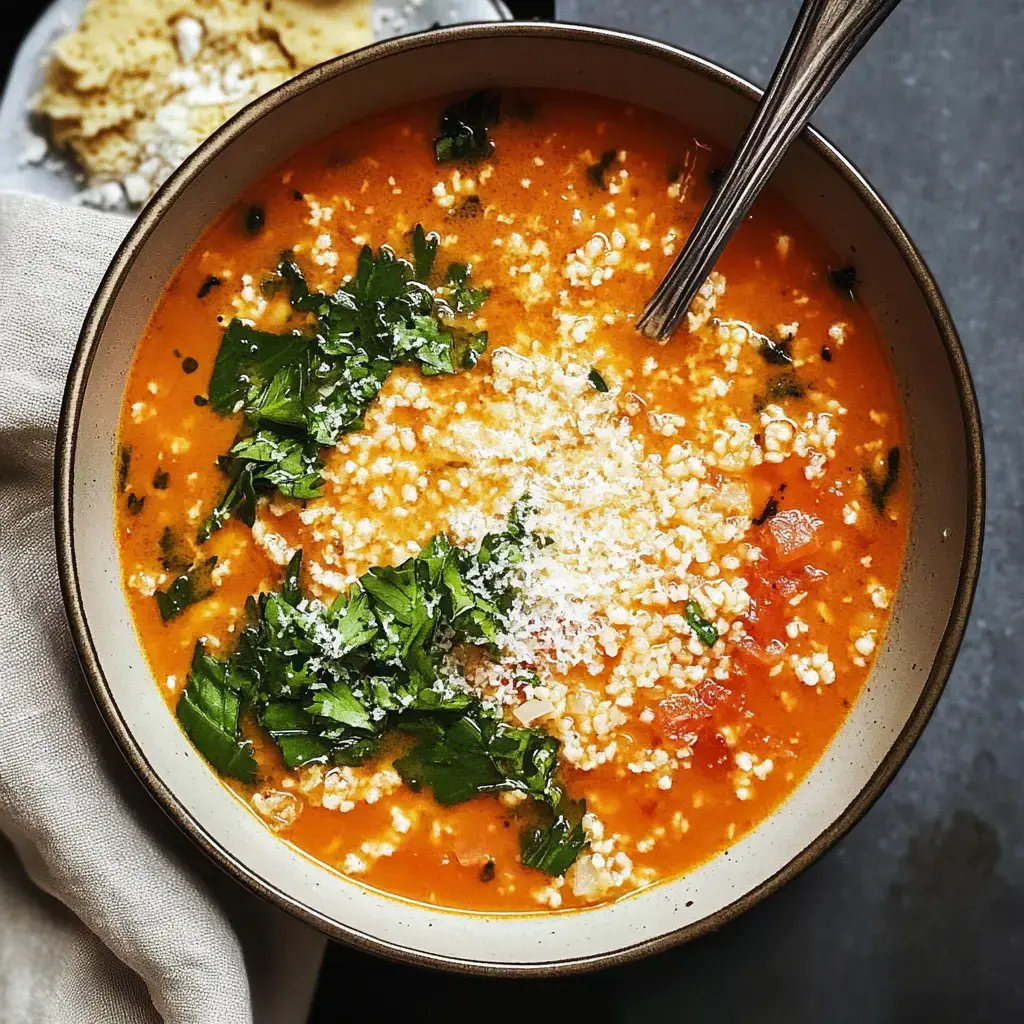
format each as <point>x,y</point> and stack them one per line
<point>827,35</point>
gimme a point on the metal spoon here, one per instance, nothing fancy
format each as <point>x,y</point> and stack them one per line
<point>827,35</point>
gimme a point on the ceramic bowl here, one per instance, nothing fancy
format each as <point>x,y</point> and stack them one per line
<point>930,607</point>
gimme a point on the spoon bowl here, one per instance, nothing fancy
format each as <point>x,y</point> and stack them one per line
<point>827,35</point>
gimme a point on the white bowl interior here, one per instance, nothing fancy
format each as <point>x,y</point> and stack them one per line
<point>939,461</point>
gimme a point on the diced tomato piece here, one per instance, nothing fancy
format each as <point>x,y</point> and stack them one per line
<point>711,754</point>
<point>792,534</point>
<point>766,655</point>
<point>681,714</point>
<point>766,614</point>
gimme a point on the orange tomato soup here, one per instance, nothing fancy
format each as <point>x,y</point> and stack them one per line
<point>715,526</point>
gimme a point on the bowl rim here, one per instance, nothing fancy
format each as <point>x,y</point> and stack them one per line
<point>92,330</point>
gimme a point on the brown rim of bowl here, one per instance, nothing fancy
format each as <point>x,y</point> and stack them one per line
<point>65,465</point>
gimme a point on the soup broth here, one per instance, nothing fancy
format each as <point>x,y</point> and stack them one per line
<point>574,611</point>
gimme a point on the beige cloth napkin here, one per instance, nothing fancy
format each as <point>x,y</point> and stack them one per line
<point>125,921</point>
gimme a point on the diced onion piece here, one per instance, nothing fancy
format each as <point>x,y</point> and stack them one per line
<point>580,703</point>
<point>584,879</point>
<point>470,854</point>
<point>529,711</point>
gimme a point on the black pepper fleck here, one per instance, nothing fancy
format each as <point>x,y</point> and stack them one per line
<point>487,872</point>
<point>826,353</point>
<point>200,400</point>
<point>771,508</point>
<point>189,365</point>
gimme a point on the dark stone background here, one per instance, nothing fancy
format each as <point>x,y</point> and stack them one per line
<point>918,915</point>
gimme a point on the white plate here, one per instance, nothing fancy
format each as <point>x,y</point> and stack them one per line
<point>54,177</point>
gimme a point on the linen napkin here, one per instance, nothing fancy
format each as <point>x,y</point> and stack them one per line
<point>125,920</point>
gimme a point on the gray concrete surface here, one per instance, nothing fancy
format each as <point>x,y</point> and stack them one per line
<point>919,914</point>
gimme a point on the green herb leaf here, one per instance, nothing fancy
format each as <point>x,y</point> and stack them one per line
<point>466,208</point>
<point>844,279</point>
<point>124,462</point>
<point>247,362</point>
<point>207,286</point>
<point>299,392</point>
<point>464,125</point>
<point>255,218</point>
<point>291,585</point>
<point>706,631</point>
<point>190,587</point>
<point>778,353</point>
<point>464,298</point>
<point>424,252</point>
<point>780,387</point>
<point>338,704</point>
<point>596,172</point>
<point>597,382</point>
<point>295,733</point>
<point>292,467</point>
<point>173,556</point>
<point>455,768</point>
<point>880,489</point>
<point>239,498</point>
<point>328,683</point>
<point>208,710</point>
<point>555,848</point>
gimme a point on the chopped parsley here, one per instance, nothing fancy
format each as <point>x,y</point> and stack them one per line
<point>706,631</point>
<point>255,218</point>
<point>300,392</point>
<point>844,279</point>
<point>777,353</point>
<point>193,585</point>
<point>464,128</point>
<point>780,387</point>
<point>597,382</point>
<point>173,558</point>
<point>135,504</point>
<point>467,208</point>
<point>880,488</point>
<point>596,172</point>
<point>207,286</point>
<point>124,465</point>
<point>161,478</point>
<point>329,682</point>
